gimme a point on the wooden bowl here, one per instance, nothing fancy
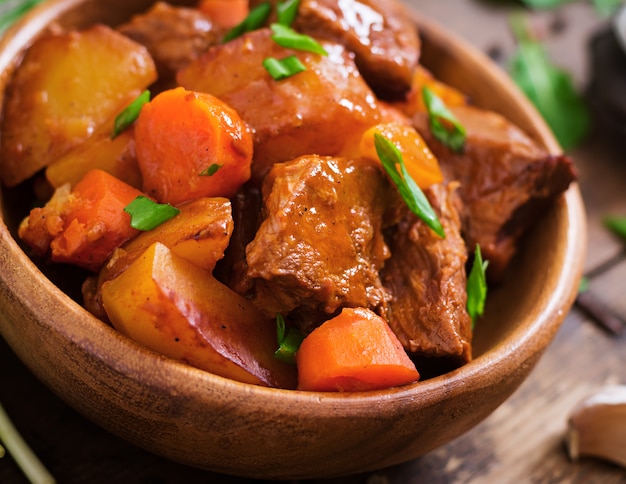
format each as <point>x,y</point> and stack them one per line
<point>206,421</point>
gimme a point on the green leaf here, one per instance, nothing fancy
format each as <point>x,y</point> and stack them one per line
<point>281,69</point>
<point>549,88</point>
<point>443,124</point>
<point>477,286</point>
<point>290,39</point>
<point>255,20</point>
<point>411,193</point>
<point>617,225</point>
<point>130,114</point>
<point>287,11</point>
<point>12,10</point>
<point>146,214</point>
<point>289,340</point>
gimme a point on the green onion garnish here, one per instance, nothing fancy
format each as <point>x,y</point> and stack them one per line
<point>283,68</point>
<point>290,39</point>
<point>211,170</point>
<point>411,193</point>
<point>289,340</point>
<point>287,11</point>
<point>146,214</point>
<point>130,114</point>
<point>477,286</point>
<point>255,20</point>
<point>616,224</point>
<point>452,136</point>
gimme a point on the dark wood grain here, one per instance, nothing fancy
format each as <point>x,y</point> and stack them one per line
<point>522,441</point>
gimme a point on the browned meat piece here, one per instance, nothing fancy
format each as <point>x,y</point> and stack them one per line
<point>174,36</point>
<point>320,246</point>
<point>507,181</point>
<point>321,110</point>
<point>379,32</point>
<point>426,278</point>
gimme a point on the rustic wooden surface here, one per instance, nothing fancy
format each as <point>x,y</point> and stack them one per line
<point>522,441</point>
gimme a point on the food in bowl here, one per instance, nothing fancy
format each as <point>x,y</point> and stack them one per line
<point>281,206</point>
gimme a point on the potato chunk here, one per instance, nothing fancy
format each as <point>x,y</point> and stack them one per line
<point>67,86</point>
<point>175,308</point>
<point>318,111</point>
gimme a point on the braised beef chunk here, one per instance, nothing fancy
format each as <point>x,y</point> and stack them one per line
<point>174,36</point>
<point>321,245</point>
<point>379,32</point>
<point>507,181</point>
<point>426,278</point>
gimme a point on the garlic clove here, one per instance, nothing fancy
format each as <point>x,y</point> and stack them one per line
<point>597,426</point>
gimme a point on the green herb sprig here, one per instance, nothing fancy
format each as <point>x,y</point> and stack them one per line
<point>281,69</point>
<point>286,11</point>
<point>549,88</point>
<point>145,214</point>
<point>443,124</point>
<point>289,340</point>
<point>477,286</point>
<point>129,115</point>
<point>22,454</point>
<point>411,193</point>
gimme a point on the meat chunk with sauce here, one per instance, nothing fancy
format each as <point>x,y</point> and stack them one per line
<point>426,277</point>
<point>174,36</point>
<point>507,181</point>
<point>322,110</point>
<point>320,246</point>
<point>379,32</point>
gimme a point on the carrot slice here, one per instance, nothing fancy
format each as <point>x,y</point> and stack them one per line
<point>354,351</point>
<point>85,226</point>
<point>191,145</point>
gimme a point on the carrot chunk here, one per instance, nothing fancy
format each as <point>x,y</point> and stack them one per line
<point>191,145</point>
<point>84,226</point>
<point>225,13</point>
<point>354,351</point>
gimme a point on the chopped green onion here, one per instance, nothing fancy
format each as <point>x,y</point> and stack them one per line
<point>411,193</point>
<point>146,214</point>
<point>583,285</point>
<point>452,136</point>
<point>287,11</point>
<point>12,10</point>
<point>477,286</point>
<point>211,170</point>
<point>255,20</point>
<point>281,69</point>
<point>130,114</point>
<point>289,340</point>
<point>22,454</point>
<point>290,39</point>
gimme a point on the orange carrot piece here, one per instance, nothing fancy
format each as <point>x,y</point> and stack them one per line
<point>354,351</point>
<point>420,162</point>
<point>84,226</point>
<point>191,145</point>
<point>225,13</point>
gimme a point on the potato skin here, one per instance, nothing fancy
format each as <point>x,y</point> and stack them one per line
<point>171,306</point>
<point>66,87</point>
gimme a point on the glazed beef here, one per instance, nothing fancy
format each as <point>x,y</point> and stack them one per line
<point>320,246</point>
<point>379,32</point>
<point>174,36</point>
<point>426,278</point>
<point>507,181</point>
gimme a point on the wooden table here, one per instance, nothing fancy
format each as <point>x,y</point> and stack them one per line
<point>522,441</point>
